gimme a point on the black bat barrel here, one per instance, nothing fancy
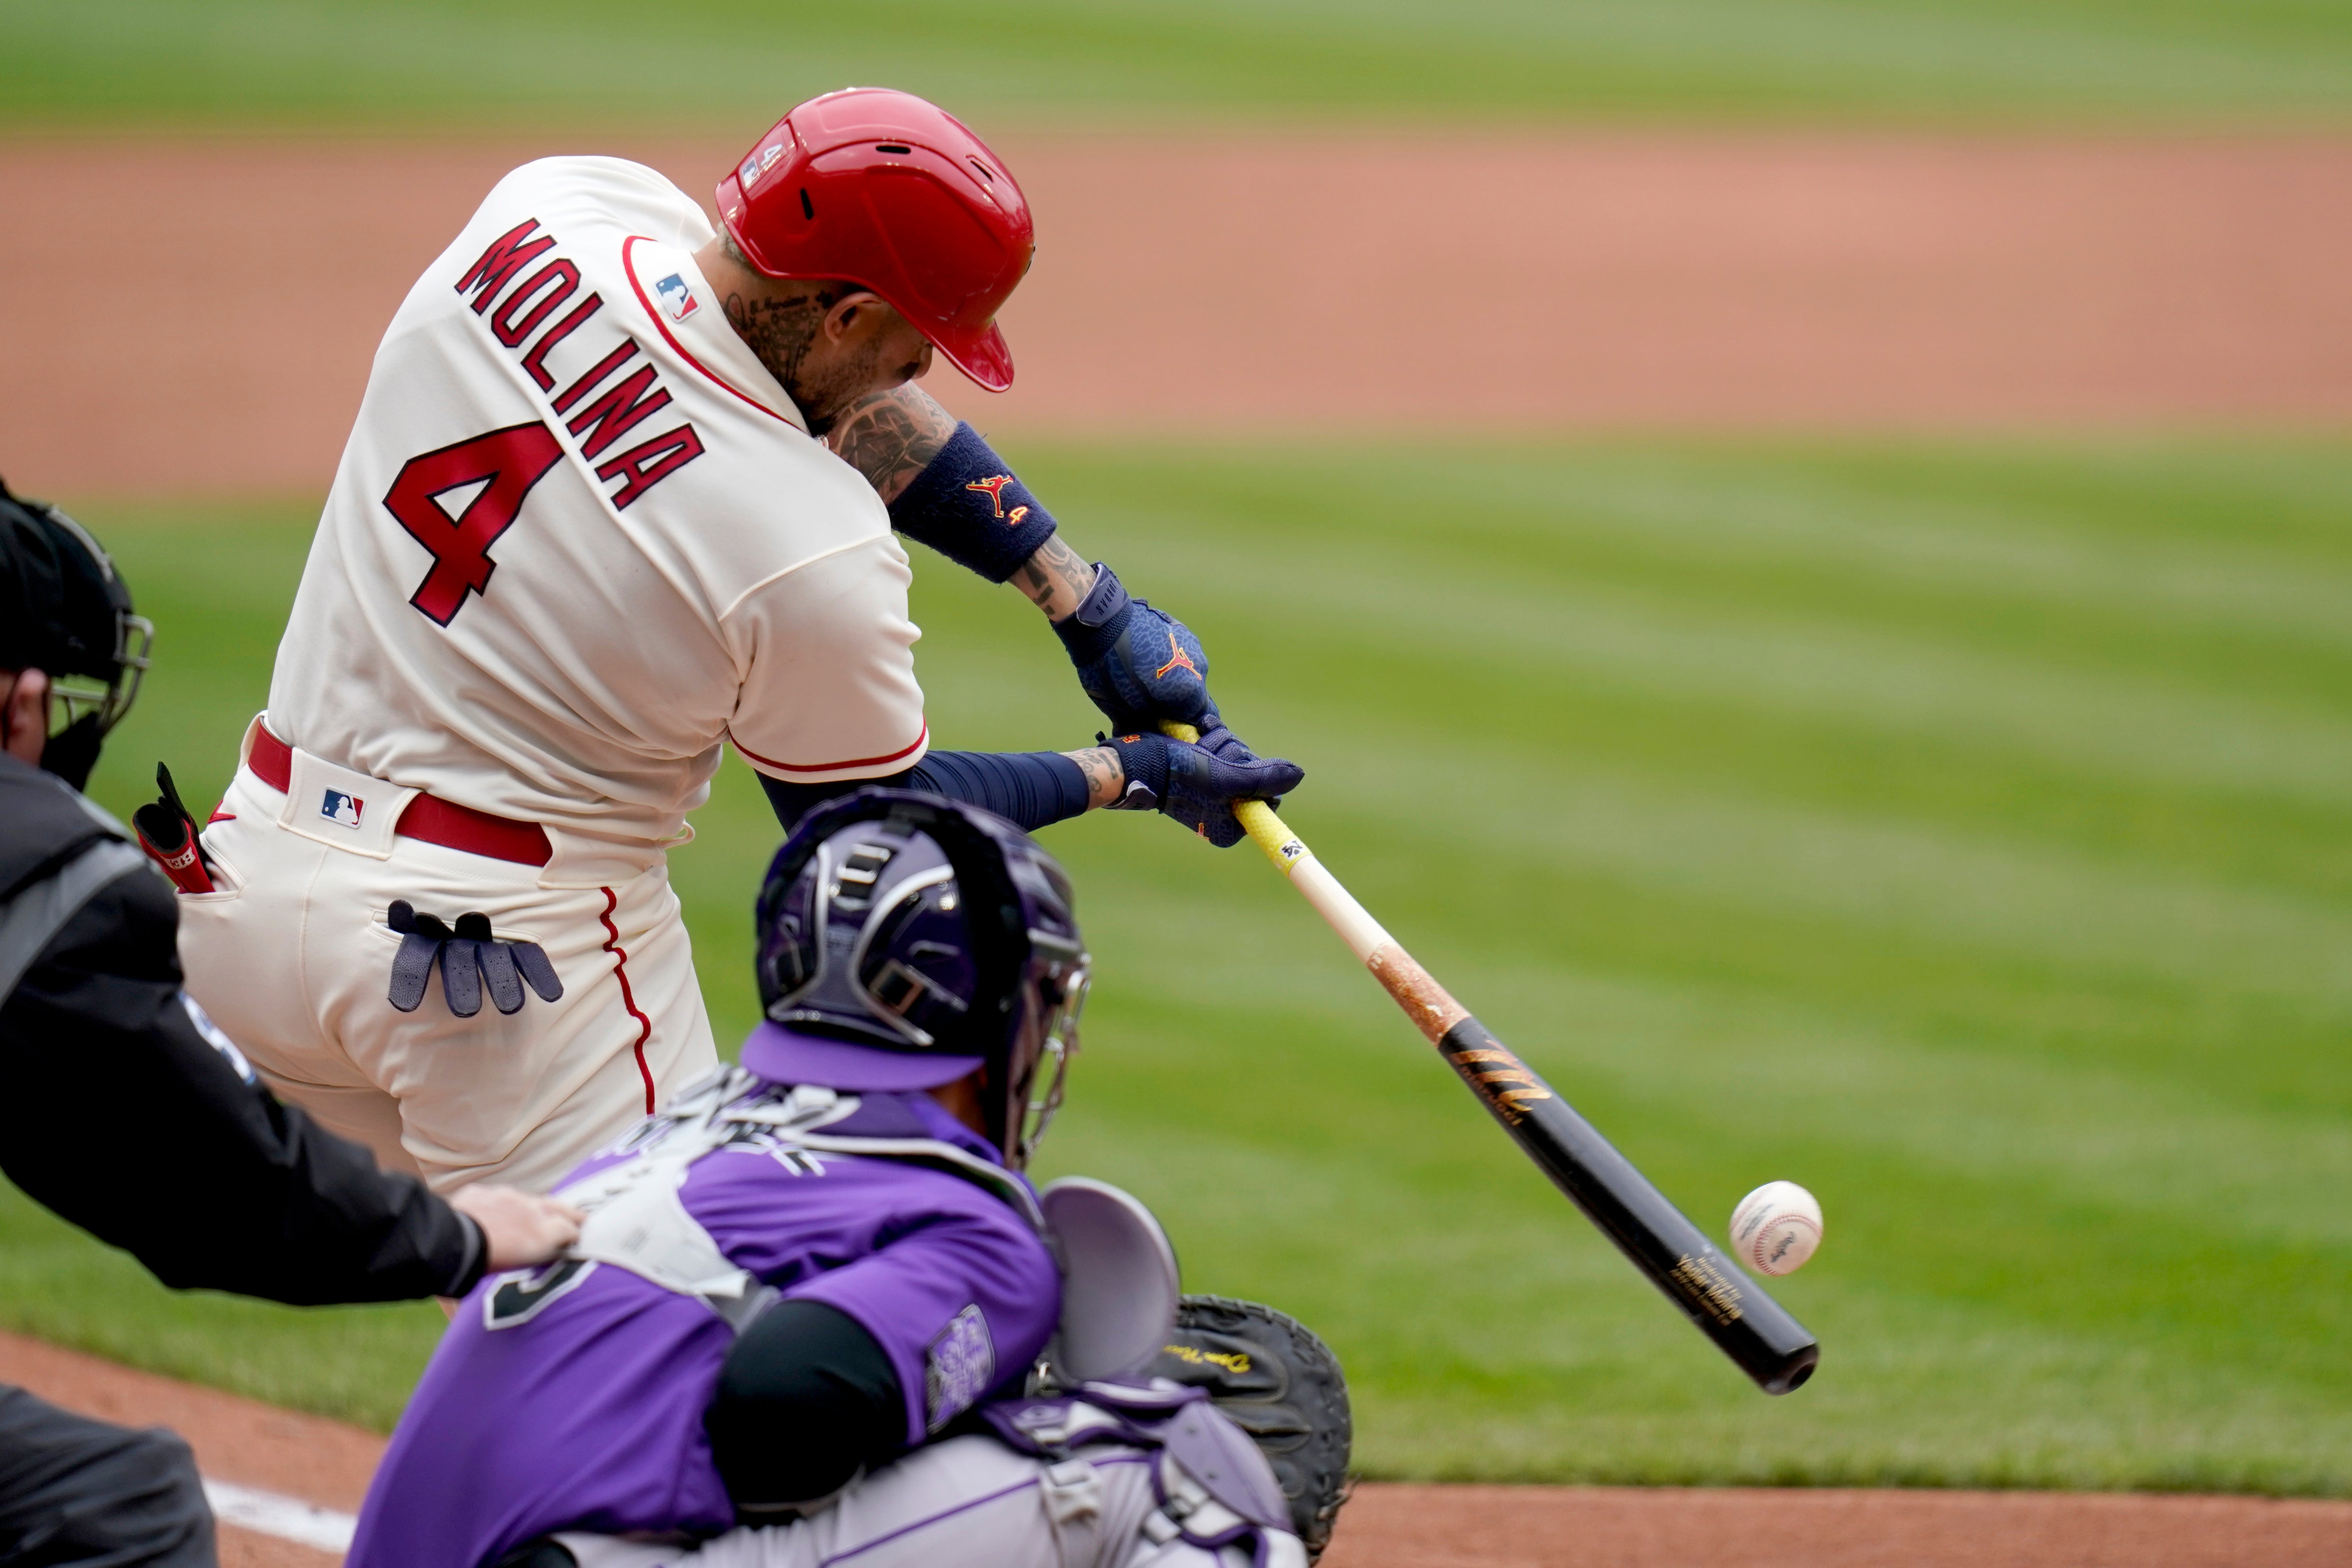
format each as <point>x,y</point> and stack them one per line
<point>1730,1309</point>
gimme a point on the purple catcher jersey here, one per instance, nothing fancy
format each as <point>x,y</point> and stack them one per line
<point>582,1409</point>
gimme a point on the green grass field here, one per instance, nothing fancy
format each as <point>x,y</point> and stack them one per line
<point>1960,831</point>
<point>452,65</point>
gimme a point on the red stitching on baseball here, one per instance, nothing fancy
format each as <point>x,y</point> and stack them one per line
<point>1756,1258</point>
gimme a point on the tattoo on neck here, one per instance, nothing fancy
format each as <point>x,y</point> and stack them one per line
<point>891,437</point>
<point>779,332</point>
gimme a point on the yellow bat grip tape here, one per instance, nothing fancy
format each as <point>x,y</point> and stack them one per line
<point>1282,846</point>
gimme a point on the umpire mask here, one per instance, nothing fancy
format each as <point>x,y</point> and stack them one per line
<point>908,924</point>
<point>65,611</point>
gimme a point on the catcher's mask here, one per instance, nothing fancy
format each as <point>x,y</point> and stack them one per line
<point>64,610</point>
<point>906,940</point>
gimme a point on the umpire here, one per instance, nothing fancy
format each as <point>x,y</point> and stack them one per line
<point>128,1113</point>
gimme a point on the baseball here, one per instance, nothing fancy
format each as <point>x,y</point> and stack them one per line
<point>1776,1228</point>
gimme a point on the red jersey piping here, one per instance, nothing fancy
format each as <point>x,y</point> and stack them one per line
<point>662,328</point>
<point>905,751</point>
<point>629,999</point>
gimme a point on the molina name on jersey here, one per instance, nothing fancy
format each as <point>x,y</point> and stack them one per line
<point>580,536</point>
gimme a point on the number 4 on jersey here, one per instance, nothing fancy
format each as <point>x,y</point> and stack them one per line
<point>513,460</point>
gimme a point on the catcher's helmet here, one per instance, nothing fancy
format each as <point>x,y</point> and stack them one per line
<point>66,611</point>
<point>906,939</point>
<point>884,190</point>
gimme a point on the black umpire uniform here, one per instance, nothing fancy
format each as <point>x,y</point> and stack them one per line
<point>221,1186</point>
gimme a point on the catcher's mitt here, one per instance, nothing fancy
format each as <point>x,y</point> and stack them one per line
<point>1279,1383</point>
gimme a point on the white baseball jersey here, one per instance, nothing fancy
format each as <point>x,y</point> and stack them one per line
<point>580,536</point>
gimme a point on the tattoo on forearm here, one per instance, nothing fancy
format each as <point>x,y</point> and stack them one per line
<point>1106,779</point>
<point>891,437</point>
<point>1056,578</point>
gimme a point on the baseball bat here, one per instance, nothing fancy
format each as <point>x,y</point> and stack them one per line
<point>1756,1331</point>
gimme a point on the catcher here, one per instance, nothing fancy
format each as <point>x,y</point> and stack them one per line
<point>808,1295</point>
<point>1105,1476</point>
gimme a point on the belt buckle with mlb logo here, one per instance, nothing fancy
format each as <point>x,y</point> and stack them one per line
<point>345,809</point>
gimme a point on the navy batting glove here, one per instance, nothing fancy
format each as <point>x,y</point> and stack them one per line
<point>1198,784</point>
<point>471,961</point>
<point>1140,666</point>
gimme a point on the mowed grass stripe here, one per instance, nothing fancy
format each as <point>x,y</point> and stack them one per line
<point>2131,706</point>
<point>1490,1333</point>
<point>444,64</point>
<point>1805,623</point>
<point>1814,813</point>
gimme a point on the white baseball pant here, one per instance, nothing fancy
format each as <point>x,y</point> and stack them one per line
<point>293,957</point>
<point>970,1502</point>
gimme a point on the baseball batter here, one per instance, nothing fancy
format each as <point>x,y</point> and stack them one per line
<point>826,1257</point>
<point>586,530</point>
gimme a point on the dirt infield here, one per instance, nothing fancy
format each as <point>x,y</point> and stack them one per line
<point>1395,1526</point>
<point>235,1440</point>
<point>189,316</point>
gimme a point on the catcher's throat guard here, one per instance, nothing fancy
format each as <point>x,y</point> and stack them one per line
<point>1120,1281</point>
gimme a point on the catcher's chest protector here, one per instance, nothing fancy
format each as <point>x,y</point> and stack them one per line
<point>637,1221</point>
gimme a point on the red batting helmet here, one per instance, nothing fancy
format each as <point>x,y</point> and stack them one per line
<point>881,189</point>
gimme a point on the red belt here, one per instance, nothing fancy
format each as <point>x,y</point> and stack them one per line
<point>428,817</point>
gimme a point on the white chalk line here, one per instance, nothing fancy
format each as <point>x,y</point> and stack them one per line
<point>289,1519</point>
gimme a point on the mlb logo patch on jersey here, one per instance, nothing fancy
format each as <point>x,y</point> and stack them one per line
<point>342,809</point>
<point>677,297</point>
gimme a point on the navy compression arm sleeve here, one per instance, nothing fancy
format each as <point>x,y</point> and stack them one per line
<point>1031,789</point>
<point>970,507</point>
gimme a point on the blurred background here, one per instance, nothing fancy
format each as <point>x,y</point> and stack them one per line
<point>1805,547</point>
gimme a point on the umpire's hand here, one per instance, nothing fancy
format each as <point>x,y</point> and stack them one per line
<point>520,1228</point>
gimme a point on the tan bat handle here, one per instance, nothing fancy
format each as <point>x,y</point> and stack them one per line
<point>1426,1002</point>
